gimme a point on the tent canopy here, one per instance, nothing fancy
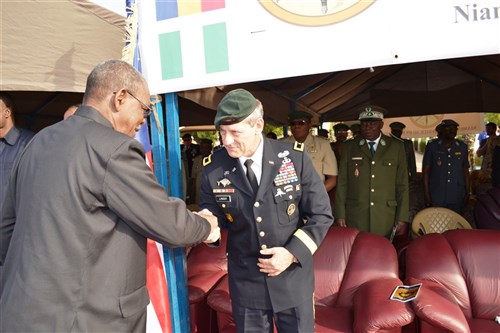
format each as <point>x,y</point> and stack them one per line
<point>433,87</point>
<point>48,49</point>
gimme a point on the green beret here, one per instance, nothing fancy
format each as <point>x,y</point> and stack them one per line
<point>299,115</point>
<point>371,112</point>
<point>355,127</point>
<point>234,107</point>
<point>449,122</point>
<point>397,125</point>
<point>340,127</point>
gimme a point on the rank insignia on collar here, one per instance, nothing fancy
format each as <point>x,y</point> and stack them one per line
<point>298,146</point>
<point>207,160</point>
<point>361,142</point>
<point>224,182</point>
<point>382,142</point>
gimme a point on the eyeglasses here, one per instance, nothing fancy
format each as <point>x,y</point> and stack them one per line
<point>147,109</point>
<point>298,123</point>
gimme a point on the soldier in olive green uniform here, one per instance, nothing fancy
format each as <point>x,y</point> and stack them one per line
<point>372,191</point>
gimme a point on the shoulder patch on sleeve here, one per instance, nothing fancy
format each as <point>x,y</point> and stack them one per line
<point>298,146</point>
<point>207,160</point>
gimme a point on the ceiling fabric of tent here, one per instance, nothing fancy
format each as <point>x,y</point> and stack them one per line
<point>48,49</point>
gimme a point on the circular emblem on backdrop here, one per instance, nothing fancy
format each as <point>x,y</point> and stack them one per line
<point>315,12</point>
<point>427,121</point>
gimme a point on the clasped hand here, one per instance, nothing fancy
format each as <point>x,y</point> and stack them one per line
<point>280,260</point>
<point>214,235</point>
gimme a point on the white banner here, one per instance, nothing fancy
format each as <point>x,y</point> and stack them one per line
<point>425,126</point>
<point>188,44</point>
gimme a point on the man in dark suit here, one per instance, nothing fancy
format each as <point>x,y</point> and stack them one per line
<point>269,196</point>
<point>189,151</point>
<point>372,191</point>
<point>340,131</point>
<point>396,132</point>
<point>79,208</point>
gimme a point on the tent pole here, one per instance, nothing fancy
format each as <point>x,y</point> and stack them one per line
<point>175,259</point>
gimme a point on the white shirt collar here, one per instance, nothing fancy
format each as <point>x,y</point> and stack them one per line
<point>257,160</point>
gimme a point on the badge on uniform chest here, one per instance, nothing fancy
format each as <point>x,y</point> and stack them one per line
<point>286,173</point>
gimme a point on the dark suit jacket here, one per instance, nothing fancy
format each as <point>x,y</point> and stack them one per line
<point>289,194</point>
<point>78,209</point>
<point>372,192</point>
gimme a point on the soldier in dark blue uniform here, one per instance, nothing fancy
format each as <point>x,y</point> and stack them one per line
<point>277,212</point>
<point>446,170</point>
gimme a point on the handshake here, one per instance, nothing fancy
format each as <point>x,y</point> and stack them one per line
<point>214,235</point>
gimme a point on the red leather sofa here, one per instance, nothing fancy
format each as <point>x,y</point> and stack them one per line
<point>355,274</point>
<point>205,267</point>
<point>460,275</point>
<point>487,210</point>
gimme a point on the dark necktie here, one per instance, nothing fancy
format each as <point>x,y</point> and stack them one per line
<point>251,176</point>
<point>372,149</point>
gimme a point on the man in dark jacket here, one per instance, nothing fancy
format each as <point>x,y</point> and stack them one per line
<point>79,208</point>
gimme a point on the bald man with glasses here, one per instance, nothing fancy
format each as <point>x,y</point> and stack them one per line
<point>79,208</point>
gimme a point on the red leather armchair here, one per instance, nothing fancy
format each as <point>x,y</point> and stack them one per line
<point>460,275</point>
<point>205,267</point>
<point>355,274</point>
<point>487,210</point>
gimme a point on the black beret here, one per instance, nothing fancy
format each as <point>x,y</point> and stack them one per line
<point>355,127</point>
<point>397,125</point>
<point>234,107</point>
<point>299,115</point>
<point>340,127</point>
<point>449,122</point>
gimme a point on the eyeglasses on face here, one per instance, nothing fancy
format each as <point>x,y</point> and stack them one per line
<point>147,109</point>
<point>298,123</point>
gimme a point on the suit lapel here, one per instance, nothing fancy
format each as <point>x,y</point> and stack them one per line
<point>383,146</point>
<point>238,177</point>
<point>363,147</point>
<point>270,167</point>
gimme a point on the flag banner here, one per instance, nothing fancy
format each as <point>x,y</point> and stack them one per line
<point>425,126</point>
<point>158,311</point>
<point>143,137</point>
<point>190,44</point>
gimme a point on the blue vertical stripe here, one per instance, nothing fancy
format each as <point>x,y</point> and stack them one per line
<point>166,9</point>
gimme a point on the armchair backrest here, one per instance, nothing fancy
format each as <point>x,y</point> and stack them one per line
<point>345,260</point>
<point>487,210</point>
<point>437,220</point>
<point>203,258</point>
<point>465,262</point>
